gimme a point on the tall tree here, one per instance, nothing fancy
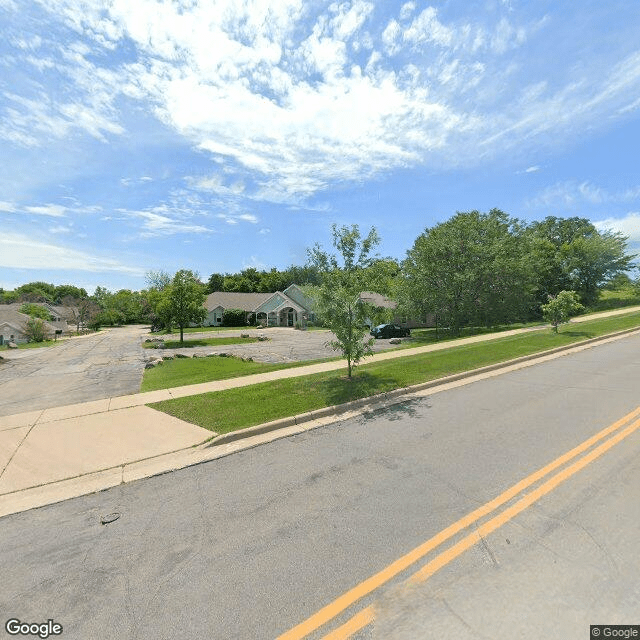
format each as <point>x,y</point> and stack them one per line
<point>468,270</point>
<point>343,278</point>
<point>571,254</point>
<point>186,297</point>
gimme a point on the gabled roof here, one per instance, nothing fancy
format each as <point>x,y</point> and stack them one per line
<point>284,302</point>
<point>234,300</point>
<point>18,320</point>
<point>377,300</point>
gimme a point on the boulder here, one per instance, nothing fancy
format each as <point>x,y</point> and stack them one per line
<point>245,335</point>
<point>12,345</point>
<point>395,341</point>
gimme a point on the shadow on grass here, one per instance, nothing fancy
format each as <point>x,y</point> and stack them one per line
<point>340,389</point>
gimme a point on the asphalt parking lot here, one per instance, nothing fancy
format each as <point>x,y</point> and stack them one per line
<point>284,345</point>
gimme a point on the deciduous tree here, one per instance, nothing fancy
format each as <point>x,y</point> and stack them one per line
<point>186,297</point>
<point>560,308</point>
<point>342,282</point>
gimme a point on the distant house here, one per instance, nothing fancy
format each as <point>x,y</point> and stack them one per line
<point>387,312</point>
<point>288,308</point>
<point>13,325</point>
<point>59,316</point>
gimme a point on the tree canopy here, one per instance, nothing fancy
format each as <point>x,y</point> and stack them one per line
<point>469,270</point>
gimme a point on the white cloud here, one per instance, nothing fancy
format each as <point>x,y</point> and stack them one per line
<point>17,250</point>
<point>570,194</point>
<point>53,210</point>
<point>157,222</point>
<point>8,207</point>
<point>235,219</point>
<point>287,100</point>
<point>629,225</point>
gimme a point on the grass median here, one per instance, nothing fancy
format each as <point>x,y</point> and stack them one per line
<point>200,342</point>
<point>234,409</point>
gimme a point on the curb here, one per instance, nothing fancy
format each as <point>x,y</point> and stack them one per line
<point>397,394</point>
<point>248,438</point>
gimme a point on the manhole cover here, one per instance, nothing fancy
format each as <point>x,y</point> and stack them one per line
<point>111,517</point>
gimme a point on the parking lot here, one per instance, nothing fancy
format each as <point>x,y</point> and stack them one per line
<point>283,345</point>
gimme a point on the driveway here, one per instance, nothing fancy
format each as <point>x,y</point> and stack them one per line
<point>101,365</point>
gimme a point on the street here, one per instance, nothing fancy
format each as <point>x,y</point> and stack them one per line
<point>252,545</point>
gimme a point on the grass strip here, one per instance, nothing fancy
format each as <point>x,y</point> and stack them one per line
<point>184,371</point>
<point>203,342</point>
<point>234,409</point>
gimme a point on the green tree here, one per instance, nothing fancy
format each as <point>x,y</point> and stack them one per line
<point>186,297</point>
<point>560,308</point>
<point>36,292</point>
<point>101,296</point>
<point>342,281</point>
<point>215,282</point>
<point>35,311</point>
<point>158,280</point>
<point>570,254</point>
<point>69,291</point>
<point>468,270</point>
<point>35,330</point>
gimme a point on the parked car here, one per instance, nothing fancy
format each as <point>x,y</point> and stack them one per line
<point>390,331</point>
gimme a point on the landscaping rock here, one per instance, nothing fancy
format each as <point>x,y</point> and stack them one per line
<point>12,345</point>
<point>262,338</point>
<point>245,335</point>
<point>167,358</point>
<point>395,341</point>
<point>182,355</point>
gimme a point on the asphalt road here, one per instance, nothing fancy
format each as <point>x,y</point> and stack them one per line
<point>250,545</point>
<point>101,365</point>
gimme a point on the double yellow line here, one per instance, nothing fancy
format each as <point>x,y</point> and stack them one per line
<point>607,438</point>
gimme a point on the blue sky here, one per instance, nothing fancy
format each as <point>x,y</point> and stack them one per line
<point>221,134</point>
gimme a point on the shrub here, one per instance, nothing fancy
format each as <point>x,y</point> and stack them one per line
<point>35,330</point>
<point>233,318</point>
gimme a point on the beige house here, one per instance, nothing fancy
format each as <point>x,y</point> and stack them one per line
<point>288,308</point>
<point>13,325</point>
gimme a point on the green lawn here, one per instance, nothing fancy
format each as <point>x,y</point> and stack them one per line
<point>203,342</point>
<point>33,345</point>
<point>202,330</point>
<point>184,371</point>
<point>234,409</point>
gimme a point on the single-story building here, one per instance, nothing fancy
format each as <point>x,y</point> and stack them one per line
<point>288,308</point>
<point>13,326</point>
<point>387,312</point>
<point>59,317</point>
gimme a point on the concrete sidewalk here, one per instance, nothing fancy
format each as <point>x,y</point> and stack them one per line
<point>61,452</point>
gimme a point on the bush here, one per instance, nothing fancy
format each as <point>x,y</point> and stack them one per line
<point>35,330</point>
<point>233,318</point>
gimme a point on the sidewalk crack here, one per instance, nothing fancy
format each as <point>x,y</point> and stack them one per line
<point>26,435</point>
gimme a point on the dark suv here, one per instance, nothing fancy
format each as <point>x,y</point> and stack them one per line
<point>390,331</point>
